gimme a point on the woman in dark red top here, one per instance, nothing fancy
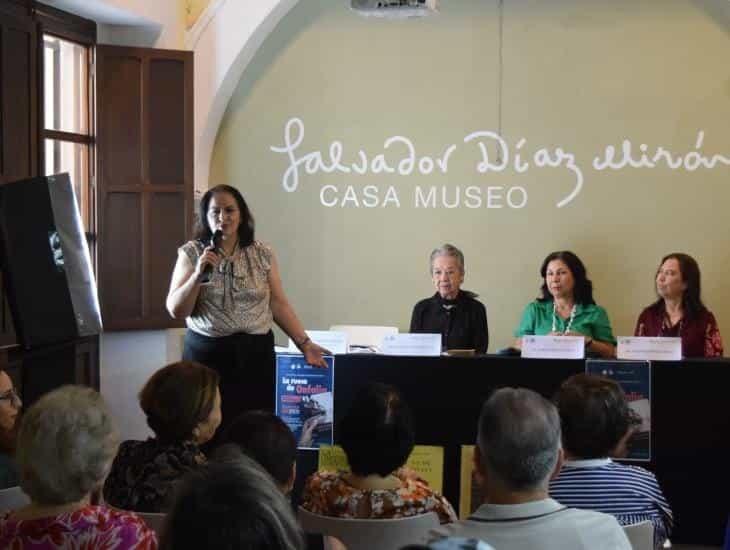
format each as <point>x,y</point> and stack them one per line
<point>679,311</point>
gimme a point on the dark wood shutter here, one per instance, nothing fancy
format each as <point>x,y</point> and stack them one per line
<point>145,180</point>
<point>19,93</point>
<point>18,112</point>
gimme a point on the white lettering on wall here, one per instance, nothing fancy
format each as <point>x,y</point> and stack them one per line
<point>399,157</point>
<point>521,193</point>
<point>428,201</point>
<point>491,197</point>
<point>690,161</point>
<point>349,195</point>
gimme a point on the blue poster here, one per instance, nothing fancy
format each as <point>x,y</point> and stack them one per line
<point>304,399</point>
<point>635,379</point>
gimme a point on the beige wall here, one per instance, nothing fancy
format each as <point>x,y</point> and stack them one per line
<point>193,10</point>
<point>576,75</point>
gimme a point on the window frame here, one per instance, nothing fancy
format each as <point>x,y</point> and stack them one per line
<point>72,28</point>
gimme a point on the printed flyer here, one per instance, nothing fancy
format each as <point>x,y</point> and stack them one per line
<point>426,461</point>
<point>470,496</point>
<point>304,399</point>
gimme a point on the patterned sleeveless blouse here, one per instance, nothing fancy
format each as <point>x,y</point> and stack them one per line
<point>238,295</point>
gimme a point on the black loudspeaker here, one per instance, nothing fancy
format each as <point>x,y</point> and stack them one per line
<point>45,261</point>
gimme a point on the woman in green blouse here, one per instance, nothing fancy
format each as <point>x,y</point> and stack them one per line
<point>566,306</point>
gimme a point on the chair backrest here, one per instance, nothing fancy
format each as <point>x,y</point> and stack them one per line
<point>154,521</point>
<point>640,535</point>
<point>365,335</point>
<point>12,499</point>
<point>366,534</point>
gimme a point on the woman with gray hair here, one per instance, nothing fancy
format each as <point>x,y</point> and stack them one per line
<point>455,314</point>
<point>66,445</point>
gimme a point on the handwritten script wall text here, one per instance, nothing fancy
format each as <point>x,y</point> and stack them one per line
<point>491,154</point>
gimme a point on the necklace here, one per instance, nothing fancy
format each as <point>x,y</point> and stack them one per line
<point>226,254</point>
<point>667,327</point>
<point>225,267</point>
<point>555,319</point>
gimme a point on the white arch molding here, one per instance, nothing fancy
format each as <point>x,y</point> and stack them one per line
<point>224,40</point>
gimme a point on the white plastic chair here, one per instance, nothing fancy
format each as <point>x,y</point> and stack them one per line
<point>366,336</point>
<point>369,534</point>
<point>640,535</point>
<point>12,498</point>
<point>154,521</point>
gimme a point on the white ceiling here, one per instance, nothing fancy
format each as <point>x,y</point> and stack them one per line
<point>100,11</point>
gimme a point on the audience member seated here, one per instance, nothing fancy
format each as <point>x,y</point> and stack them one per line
<point>231,504</point>
<point>66,445</point>
<point>518,450</point>
<point>268,440</point>
<point>9,408</point>
<point>377,436</point>
<point>596,421</point>
<point>183,408</point>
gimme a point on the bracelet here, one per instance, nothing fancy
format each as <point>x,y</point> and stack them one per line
<point>300,344</point>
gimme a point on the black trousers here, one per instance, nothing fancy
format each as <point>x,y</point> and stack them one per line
<point>246,365</point>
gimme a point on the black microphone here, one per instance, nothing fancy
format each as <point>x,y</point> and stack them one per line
<point>215,242</point>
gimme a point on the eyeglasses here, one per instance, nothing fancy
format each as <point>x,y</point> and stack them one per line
<point>12,396</point>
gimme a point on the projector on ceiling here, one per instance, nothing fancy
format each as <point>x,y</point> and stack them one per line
<point>395,9</point>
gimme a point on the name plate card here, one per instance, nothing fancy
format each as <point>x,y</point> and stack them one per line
<point>423,345</point>
<point>335,342</point>
<point>647,348</point>
<point>553,347</point>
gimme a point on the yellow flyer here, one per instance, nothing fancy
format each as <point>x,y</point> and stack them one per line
<point>469,494</point>
<point>426,460</point>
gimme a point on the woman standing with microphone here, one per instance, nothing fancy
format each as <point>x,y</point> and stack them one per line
<point>229,318</point>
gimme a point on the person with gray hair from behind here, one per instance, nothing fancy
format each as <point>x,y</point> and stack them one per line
<point>66,444</point>
<point>518,451</point>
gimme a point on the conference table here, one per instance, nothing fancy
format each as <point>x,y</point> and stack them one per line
<point>690,436</point>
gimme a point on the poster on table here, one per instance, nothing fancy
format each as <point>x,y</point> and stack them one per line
<point>635,379</point>
<point>304,399</point>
